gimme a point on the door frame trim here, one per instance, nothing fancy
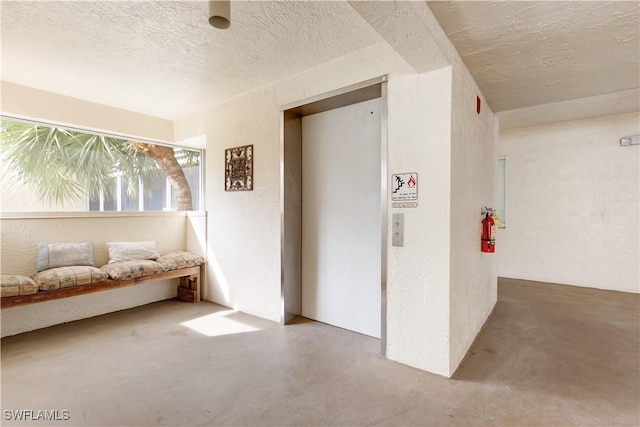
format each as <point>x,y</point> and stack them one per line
<point>348,95</point>
<point>327,96</point>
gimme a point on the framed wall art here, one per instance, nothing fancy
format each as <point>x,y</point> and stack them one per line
<point>238,168</point>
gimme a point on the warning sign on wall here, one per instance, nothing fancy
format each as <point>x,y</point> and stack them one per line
<point>404,187</point>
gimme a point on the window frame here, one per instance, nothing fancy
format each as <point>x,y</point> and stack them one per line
<point>501,202</point>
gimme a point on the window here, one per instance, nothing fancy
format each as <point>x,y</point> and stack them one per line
<point>69,168</point>
<point>154,195</point>
<point>502,164</point>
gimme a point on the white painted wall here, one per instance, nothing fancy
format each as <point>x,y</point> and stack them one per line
<point>34,104</point>
<point>21,233</point>
<point>572,204</point>
<point>418,273</point>
<point>196,240</point>
<point>244,228</point>
<point>473,167</point>
<point>19,236</point>
<point>196,233</point>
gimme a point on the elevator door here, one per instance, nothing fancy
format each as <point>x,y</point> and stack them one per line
<point>341,217</point>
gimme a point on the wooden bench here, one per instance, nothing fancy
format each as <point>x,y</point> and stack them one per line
<point>189,282</point>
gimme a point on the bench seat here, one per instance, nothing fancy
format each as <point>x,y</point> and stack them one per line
<point>189,279</point>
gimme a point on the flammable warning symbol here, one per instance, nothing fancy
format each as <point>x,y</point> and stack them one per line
<point>404,187</point>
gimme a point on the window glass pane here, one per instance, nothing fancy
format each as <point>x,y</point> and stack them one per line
<point>110,204</point>
<point>94,203</point>
<point>129,203</point>
<point>193,177</point>
<point>110,198</point>
<point>155,194</point>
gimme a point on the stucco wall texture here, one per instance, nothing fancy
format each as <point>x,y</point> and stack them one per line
<point>35,104</point>
<point>19,236</point>
<point>418,272</point>
<point>244,228</point>
<point>18,251</point>
<point>473,281</point>
<point>572,204</point>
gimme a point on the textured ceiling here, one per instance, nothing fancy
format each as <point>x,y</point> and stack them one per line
<point>524,53</point>
<point>162,58</point>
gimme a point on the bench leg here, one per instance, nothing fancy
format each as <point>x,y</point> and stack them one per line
<point>192,284</point>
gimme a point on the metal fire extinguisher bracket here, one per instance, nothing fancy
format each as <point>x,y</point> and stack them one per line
<point>484,210</point>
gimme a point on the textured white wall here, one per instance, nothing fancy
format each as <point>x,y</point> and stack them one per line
<point>418,273</point>
<point>20,234</point>
<point>196,233</point>
<point>473,284</point>
<point>572,204</point>
<point>18,251</point>
<point>34,104</point>
<point>244,228</point>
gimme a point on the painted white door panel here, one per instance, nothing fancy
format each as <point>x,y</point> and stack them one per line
<point>341,221</point>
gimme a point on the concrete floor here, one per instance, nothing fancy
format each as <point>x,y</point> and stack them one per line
<point>549,355</point>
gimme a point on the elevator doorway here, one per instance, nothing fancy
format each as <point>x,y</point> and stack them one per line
<point>341,217</point>
<point>333,188</point>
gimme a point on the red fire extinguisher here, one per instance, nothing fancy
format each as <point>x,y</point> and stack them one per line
<point>488,241</point>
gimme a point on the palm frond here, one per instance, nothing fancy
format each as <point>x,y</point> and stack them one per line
<point>61,165</point>
<point>188,158</point>
<point>33,156</point>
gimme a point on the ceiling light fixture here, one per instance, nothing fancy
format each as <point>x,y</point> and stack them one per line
<point>220,13</point>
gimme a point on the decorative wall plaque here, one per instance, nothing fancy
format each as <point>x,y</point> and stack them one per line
<point>238,168</point>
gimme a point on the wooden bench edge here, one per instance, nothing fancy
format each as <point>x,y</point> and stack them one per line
<point>54,294</point>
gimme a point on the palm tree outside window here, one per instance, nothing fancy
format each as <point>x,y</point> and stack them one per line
<point>61,166</point>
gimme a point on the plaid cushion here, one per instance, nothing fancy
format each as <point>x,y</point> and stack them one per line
<point>180,259</point>
<point>66,277</point>
<point>12,285</point>
<point>125,270</point>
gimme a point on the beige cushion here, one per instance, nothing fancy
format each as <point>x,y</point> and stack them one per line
<point>127,251</point>
<point>66,277</point>
<point>125,270</point>
<point>12,285</point>
<point>52,255</point>
<point>180,259</point>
